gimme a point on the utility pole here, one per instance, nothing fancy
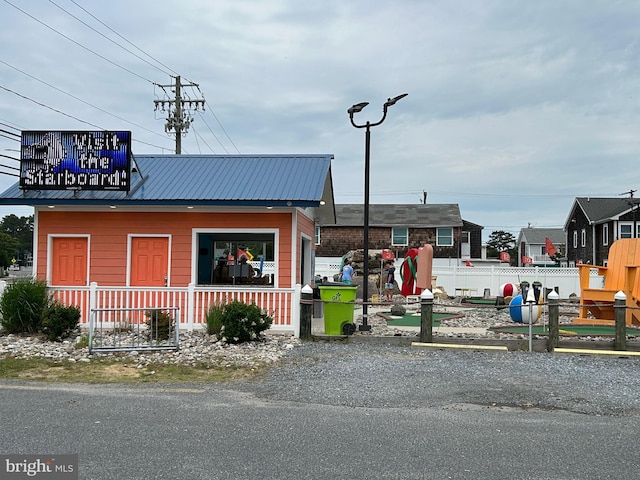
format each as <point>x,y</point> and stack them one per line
<point>178,111</point>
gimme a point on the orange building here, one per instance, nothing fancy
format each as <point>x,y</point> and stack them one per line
<point>179,228</point>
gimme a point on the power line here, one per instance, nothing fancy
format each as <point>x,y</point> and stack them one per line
<point>107,38</point>
<point>68,115</point>
<point>212,133</point>
<point>78,43</point>
<point>219,123</point>
<point>80,100</point>
<point>123,38</point>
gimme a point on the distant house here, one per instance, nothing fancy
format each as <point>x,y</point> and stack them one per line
<point>594,224</point>
<point>399,227</point>
<point>532,245</point>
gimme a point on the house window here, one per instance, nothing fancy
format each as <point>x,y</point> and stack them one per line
<point>583,238</point>
<point>220,262</point>
<point>399,236</point>
<point>444,237</point>
<point>626,230</point>
<point>317,236</point>
<point>605,234</point>
<point>575,239</point>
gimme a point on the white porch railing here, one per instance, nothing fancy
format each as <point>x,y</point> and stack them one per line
<point>283,304</point>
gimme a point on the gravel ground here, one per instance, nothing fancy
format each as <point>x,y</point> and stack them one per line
<point>382,376</point>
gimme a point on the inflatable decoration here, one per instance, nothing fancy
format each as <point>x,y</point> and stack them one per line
<point>409,272</point>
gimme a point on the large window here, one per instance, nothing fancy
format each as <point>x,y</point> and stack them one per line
<point>236,258</point>
<point>399,236</point>
<point>444,237</point>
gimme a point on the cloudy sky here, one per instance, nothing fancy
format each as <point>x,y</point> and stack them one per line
<point>514,108</point>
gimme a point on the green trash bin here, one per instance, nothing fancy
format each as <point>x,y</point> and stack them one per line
<point>339,300</point>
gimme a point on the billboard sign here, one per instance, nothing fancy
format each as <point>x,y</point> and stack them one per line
<point>75,160</point>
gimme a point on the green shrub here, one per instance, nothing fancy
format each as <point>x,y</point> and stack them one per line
<point>161,324</point>
<point>243,323</point>
<point>59,320</point>
<point>214,318</point>
<point>22,305</point>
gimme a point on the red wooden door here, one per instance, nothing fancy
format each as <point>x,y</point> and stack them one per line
<point>69,261</point>
<point>149,261</point>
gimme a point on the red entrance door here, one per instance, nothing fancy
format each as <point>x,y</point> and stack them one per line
<point>69,261</point>
<point>149,261</point>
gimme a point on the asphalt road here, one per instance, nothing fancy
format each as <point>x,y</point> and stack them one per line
<point>348,412</point>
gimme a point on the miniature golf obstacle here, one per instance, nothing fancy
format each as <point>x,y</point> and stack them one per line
<point>529,310</point>
<point>508,290</point>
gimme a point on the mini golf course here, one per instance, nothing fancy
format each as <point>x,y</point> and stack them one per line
<point>565,330</point>
<point>413,320</point>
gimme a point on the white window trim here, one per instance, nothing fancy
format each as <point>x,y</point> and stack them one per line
<point>316,235</point>
<point>406,229</point>
<point>575,239</point>
<point>583,237</point>
<point>605,234</point>
<point>438,244</point>
<point>626,224</point>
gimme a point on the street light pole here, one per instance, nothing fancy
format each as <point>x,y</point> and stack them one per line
<point>367,147</point>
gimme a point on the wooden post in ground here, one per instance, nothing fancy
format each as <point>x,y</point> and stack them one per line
<point>554,320</point>
<point>620,309</point>
<point>306,306</point>
<point>426,316</point>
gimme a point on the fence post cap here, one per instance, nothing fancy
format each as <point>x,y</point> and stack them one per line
<point>426,295</point>
<point>307,289</point>
<point>620,295</point>
<point>553,295</point>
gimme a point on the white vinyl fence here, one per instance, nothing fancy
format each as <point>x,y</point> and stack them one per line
<point>474,280</point>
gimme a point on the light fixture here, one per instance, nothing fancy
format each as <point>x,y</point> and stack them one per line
<point>269,208</point>
<point>51,206</point>
<point>190,207</point>
<point>112,207</point>
<point>367,143</point>
<point>322,202</point>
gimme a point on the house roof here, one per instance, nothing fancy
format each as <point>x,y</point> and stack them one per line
<point>601,209</point>
<point>400,215</point>
<point>539,235</point>
<point>237,180</point>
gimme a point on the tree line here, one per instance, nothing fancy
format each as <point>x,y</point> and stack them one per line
<point>16,240</point>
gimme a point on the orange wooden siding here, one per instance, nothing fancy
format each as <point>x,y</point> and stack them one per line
<point>108,232</point>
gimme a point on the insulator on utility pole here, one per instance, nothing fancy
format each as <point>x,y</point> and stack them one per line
<point>178,116</point>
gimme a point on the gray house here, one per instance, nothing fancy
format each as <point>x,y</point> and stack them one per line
<point>532,245</point>
<point>399,227</point>
<point>594,224</point>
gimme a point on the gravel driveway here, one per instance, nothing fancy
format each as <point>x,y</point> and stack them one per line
<point>378,376</point>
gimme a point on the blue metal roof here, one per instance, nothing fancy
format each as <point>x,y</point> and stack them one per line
<point>260,180</point>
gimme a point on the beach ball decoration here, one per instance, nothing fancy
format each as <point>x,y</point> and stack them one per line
<point>508,290</point>
<point>528,311</point>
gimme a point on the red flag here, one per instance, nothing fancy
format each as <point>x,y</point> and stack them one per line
<point>551,249</point>
<point>505,257</point>
<point>527,260</point>
<point>387,255</point>
<point>469,264</point>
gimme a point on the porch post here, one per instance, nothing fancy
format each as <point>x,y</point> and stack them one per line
<point>93,297</point>
<point>191,305</point>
